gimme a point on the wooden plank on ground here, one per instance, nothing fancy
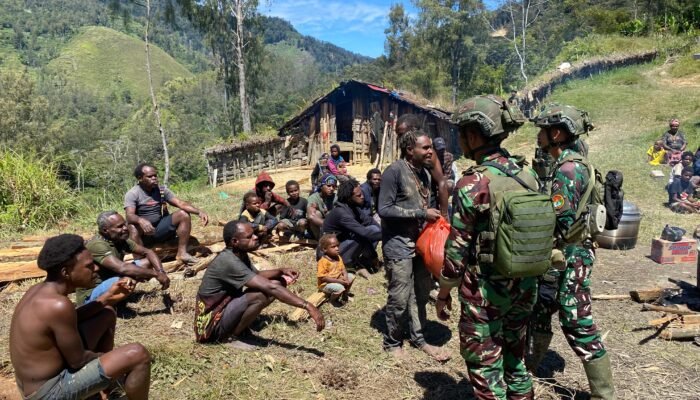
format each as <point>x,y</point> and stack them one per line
<point>672,310</point>
<point>12,271</point>
<point>277,250</point>
<point>301,314</point>
<point>610,297</point>
<point>682,332</point>
<point>24,254</point>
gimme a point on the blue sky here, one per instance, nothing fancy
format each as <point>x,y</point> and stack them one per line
<point>354,25</point>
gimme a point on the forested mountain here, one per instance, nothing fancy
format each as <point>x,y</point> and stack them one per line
<point>74,87</point>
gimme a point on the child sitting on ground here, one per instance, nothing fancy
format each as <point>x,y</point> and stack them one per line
<point>656,153</point>
<point>333,279</point>
<point>294,222</point>
<point>681,194</point>
<point>263,222</point>
<point>687,160</point>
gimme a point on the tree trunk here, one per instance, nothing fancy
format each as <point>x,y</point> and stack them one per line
<point>154,101</point>
<point>245,110</point>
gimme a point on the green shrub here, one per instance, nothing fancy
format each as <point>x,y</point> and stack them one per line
<point>31,193</point>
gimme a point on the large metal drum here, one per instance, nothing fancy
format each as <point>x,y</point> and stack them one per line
<point>625,236</point>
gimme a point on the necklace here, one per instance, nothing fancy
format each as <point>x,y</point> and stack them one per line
<point>422,190</point>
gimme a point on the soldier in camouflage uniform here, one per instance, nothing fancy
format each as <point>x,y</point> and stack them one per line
<point>566,289</point>
<point>494,310</point>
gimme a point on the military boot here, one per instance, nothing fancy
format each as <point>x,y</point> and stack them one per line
<point>599,376</point>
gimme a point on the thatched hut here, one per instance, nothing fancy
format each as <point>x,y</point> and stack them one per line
<point>358,116</point>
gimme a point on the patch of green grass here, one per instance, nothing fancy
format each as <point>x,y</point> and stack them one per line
<point>595,45</point>
<point>685,66</point>
<point>112,62</point>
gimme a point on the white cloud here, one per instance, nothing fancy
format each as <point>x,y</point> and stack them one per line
<point>317,17</point>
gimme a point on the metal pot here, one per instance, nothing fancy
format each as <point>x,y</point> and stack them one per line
<point>625,236</point>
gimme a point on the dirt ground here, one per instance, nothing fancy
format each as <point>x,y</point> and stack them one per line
<point>346,361</point>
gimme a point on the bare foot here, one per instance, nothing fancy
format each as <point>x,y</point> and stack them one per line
<point>363,273</point>
<point>398,352</point>
<point>437,353</point>
<point>241,345</point>
<point>188,259</point>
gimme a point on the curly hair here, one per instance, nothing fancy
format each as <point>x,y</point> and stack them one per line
<point>325,240</point>
<point>59,250</point>
<point>410,120</point>
<point>372,172</point>
<point>344,193</point>
<point>249,195</point>
<point>138,171</point>
<point>231,228</point>
<point>409,140</point>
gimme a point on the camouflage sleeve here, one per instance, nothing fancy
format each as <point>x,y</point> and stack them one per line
<point>469,204</point>
<point>568,186</point>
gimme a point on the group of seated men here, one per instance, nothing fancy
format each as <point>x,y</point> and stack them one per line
<point>684,179</point>
<point>60,351</point>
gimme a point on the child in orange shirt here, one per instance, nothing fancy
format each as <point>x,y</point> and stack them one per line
<point>333,279</point>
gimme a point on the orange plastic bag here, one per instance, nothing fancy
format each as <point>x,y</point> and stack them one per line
<point>431,245</point>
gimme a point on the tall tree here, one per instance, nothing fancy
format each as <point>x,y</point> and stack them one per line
<point>227,25</point>
<point>154,100</point>
<point>450,28</point>
<point>397,35</point>
<point>522,14</point>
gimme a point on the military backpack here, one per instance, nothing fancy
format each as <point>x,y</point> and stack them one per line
<point>519,239</point>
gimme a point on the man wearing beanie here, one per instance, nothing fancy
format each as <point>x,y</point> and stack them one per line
<point>60,352</point>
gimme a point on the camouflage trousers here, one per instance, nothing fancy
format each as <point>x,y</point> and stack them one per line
<point>568,292</point>
<point>492,334</point>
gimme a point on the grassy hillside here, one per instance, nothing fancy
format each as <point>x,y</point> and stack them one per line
<point>108,62</point>
<point>631,108</point>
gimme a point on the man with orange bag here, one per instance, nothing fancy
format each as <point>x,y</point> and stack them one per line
<point>495,309</point>
<point>404,198</point>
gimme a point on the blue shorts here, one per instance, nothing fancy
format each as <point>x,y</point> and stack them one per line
<point>81,384</point>
<point>333,288</point>
<point>104,286</point>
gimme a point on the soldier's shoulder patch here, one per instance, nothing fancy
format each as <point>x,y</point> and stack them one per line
<point>558,201</point>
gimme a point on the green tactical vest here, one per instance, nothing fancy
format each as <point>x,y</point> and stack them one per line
<point>519,239</point>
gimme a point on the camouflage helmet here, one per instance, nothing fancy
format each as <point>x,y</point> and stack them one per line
<point>492,114</point>
<point>576,122</point>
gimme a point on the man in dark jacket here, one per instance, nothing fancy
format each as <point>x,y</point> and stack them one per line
<point>370,192</point>
<point>271,201</point>
<point>357,232</point>
<point>404,201</point>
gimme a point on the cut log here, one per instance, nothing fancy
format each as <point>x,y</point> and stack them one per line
<point>647,296</point>
<point>679,311</point>
<point>301,314</point>
<point>260,263</point>
<point>684,332</point>
<point>610,297</point>
<point>173,266</point>
<point>204,263</point>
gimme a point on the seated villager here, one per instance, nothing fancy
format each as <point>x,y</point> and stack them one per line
<point>333,279</point>
<point>656,155</point>
<point>320,170</point>
<point>681,194</point>
<point>148,216</point>
<point>357,232</point>
<point>262,222</point>
<point>320,203</point>
<point>108,249</point>
<point>674,141</point>
<point>687,160</point>
<point>269,200</point>
<point>233,292</point>
<point>295,222</point>
<point>60,352</point>
<point>335,160</point>
<point>370,193</point>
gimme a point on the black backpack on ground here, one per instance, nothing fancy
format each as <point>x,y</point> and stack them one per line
<point>613,197</point>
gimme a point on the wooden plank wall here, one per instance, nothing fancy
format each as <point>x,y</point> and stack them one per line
<point>250,160</point>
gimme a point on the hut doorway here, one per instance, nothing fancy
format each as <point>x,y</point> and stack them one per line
<point>343,121</point>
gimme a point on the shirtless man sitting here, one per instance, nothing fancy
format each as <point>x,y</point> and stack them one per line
<point>60,352</point>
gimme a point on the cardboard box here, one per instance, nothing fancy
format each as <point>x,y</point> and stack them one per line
<point>683,251</point>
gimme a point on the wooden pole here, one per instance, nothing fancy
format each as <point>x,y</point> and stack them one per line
<point>651,307</point>
<point>380,159</point>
